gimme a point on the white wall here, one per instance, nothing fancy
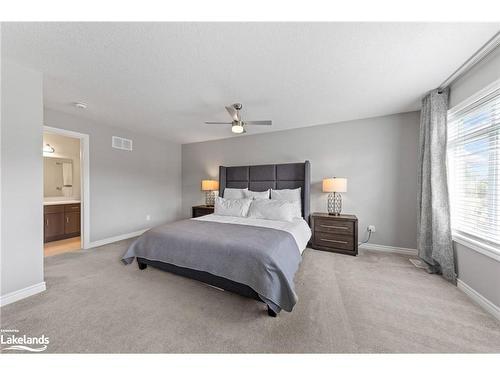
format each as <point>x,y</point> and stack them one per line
<point>478,271</point>
<point>377,155</point>
<point>22,180</point>
<point>126,186</point>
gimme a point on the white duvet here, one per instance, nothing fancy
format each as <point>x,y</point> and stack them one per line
<point>298,228</point>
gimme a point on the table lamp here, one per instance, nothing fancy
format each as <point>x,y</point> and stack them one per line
<point>209,187</point>
<point>334,186</point>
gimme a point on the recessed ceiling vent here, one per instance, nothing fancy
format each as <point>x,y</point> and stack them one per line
<point>121,143</point>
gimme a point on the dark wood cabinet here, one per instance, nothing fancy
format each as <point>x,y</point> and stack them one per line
<point>335,233</point>
<point>72,223</point>
<point>54,225</point>
<point>61,221</point>
<point>202,210</point>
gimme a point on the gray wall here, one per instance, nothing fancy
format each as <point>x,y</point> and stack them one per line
<point>378,156</point>
<point>484,73</point>
<point>480,272</point>
<point>22,178</point>
<point>127,186</point>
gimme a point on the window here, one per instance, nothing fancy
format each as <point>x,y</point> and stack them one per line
<point>474,169</point>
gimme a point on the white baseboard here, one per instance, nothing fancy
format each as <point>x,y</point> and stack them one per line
<point>389,249</point>
<point>106,241</point>
<point>38,288</point>
<point>22,293</point>
<point>482,301</point>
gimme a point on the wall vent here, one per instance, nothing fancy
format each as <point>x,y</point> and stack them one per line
<point>121,143</point>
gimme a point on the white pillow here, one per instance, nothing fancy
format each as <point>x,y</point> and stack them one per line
<point>232,207</point>
<point>290,195</point>
<point>271,210</point>
<point>230,193</point>
<point>256,194</point>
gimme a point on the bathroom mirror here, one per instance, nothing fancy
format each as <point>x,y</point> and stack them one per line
<point>57,177</point>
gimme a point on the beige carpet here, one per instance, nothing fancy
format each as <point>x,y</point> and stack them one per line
<point>372,303</point>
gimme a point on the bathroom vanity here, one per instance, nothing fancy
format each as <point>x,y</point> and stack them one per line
<point>61,220</point>
<point>61,210</point>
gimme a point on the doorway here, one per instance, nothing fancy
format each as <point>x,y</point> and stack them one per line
<point>66,191</point>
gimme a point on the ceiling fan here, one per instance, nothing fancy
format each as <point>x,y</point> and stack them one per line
<point>237,125</point>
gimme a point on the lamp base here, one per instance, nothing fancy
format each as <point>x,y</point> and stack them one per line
<point>334,204</point>
<point>209,198</point>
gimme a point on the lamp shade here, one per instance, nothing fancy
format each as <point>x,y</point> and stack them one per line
<point>335,185</point>
<point>209,185</point>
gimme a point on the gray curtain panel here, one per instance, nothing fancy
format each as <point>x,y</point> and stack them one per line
<point>434,234</point>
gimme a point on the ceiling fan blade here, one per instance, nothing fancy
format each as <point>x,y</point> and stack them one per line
<point>235,115</point>
<point>217,123</point>
<point>263,122</point>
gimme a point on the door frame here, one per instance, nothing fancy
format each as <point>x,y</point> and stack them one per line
<point>84,179</point>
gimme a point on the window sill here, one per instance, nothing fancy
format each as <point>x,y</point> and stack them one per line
<point>480,247</point>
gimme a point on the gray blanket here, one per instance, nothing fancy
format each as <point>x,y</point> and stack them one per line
<point>262,258</point>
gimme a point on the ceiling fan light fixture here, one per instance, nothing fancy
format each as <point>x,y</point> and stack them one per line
<point>237,128</point>
<point>237,124</point>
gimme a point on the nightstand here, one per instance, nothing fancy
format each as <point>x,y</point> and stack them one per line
<point>202,210</point>
<point>335,233</point>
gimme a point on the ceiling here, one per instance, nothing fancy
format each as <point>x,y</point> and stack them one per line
<point>166,79</point>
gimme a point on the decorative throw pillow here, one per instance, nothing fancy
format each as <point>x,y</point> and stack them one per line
<point>256,194</point>
<point>231,193</point>
<point>290,195</point>
<point>271,210</point>
<point>232,207</point>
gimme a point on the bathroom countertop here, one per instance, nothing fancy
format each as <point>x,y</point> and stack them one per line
<point>68,201</point>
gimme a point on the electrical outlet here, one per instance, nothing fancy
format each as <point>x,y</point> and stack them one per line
<point>371,228</point>
<point>148,217</point>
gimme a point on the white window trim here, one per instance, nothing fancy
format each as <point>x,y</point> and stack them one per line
<point>495,85</point>
<point>479,246</point>
<point>474,244</point>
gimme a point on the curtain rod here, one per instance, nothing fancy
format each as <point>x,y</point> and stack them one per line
<point>478,56</point>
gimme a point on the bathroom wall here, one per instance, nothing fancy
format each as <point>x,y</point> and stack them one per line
<point>67,148</point>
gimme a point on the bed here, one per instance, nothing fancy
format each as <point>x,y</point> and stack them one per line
<point>255,258</point>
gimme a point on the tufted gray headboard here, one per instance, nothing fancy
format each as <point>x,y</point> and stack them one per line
<point>270,176</point>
